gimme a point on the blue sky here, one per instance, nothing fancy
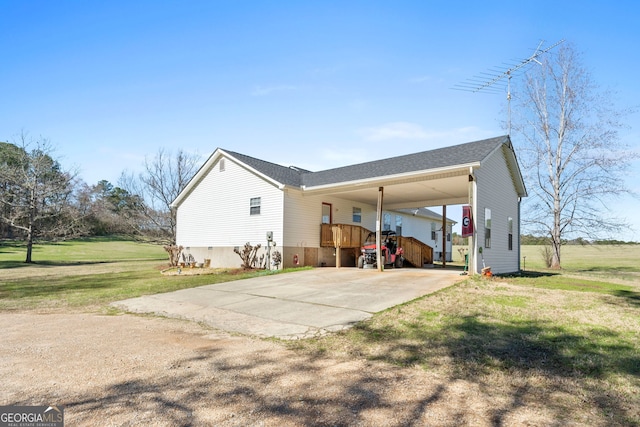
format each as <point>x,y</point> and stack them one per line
<point>313,84</point>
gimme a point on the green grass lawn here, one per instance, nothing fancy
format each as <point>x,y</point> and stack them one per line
<point>620,262</point>
<point>91,273</point>
<point>12,254</point>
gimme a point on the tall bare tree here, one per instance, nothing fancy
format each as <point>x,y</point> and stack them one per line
<point>567,133</point>
<point>35,190</point>
<point>163,178</point>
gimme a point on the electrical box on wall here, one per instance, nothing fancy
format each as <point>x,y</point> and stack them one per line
<point>269,236</point>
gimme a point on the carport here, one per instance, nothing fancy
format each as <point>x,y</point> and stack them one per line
<point>441,177</point>
<point>438,186</point>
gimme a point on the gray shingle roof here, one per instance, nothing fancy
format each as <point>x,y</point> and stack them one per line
<point>282,174</point>
<point>425,160</point>
<point>442,157</point>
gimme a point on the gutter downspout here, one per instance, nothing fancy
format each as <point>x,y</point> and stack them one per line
<point>473,243</point>
<point>518,236</point>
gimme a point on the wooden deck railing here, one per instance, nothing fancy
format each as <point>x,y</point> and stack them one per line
<point>343,235</point>
<point>352,236</point>
<point>416,252</point>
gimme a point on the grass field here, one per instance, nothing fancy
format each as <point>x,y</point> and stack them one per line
<point>610,262</point>
<point>568,339</point>
<point>89,274</point>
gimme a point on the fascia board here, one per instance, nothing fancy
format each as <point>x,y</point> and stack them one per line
<point>396,177</point>
<point>254,171</point>
<point>206,168</point>
<point>516,173</point>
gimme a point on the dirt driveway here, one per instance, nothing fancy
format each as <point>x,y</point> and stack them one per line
<point>131,370</point>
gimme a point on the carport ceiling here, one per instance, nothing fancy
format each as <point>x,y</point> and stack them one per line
<point>450,188</point>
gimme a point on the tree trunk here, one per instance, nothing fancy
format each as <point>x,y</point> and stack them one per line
<point>556,239</point>
<point>29,246</point>
<point>555,259</point>
<point>32,217</point>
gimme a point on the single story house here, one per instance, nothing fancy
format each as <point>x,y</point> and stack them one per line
<point>318,218</point>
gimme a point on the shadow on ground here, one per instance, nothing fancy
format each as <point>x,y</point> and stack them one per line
<point>480,348</point>
<point>210,389</point>
<point>44,264</point>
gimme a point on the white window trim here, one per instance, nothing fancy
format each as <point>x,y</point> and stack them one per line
<point>255,203</point>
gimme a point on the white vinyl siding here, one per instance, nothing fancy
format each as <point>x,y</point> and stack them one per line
<point>217,213</point>
<point>303,216</point>
<point>495,190</point>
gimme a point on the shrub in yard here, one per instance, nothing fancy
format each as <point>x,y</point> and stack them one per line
<point>174,254</point>
<point>248,255</point>
<point>547,255</point>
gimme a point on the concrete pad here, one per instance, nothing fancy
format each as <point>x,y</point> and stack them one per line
<point>295,305</point>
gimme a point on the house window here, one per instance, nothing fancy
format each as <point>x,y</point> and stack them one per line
<point>487,227</point>
<point>398,225</point>
<point>510,228</point>
<point>221,165</point>
<point>326,213</point>
<point>357,214</point>
<point>386,221</point>
<point>254,206</point>
<point>433,231</point>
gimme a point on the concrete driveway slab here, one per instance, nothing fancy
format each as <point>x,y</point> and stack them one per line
<point>295,305</point>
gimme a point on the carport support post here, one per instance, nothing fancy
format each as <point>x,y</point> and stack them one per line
<point>337,239</point>
<point>379,229</point>
<point>473,241</point>
<point>444,236</point>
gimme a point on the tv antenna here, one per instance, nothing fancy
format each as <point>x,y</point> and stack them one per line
<point>493,81</point>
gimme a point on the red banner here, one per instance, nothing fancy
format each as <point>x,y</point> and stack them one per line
<point>467,222</point>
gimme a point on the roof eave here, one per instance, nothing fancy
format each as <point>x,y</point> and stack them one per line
<point>206,168</point>
<point>461,168</point>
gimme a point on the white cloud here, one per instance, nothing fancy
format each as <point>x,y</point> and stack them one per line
<point>414,131</point>
<point>395,130</point>
<point>268,90</point>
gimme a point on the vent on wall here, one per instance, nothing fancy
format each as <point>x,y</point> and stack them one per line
<point>221,165</point>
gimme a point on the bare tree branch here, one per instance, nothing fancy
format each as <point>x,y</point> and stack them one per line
<point>35,190</point>
<point>566,130</point>
<point>163,178</point>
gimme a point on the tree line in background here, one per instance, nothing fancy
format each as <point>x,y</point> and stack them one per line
<point>529,239</point>
<point>41,200</point>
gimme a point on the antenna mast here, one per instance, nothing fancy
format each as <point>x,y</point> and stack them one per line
<point>487,82</point>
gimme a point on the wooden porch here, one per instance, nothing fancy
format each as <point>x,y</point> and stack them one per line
<point>345,236</point>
